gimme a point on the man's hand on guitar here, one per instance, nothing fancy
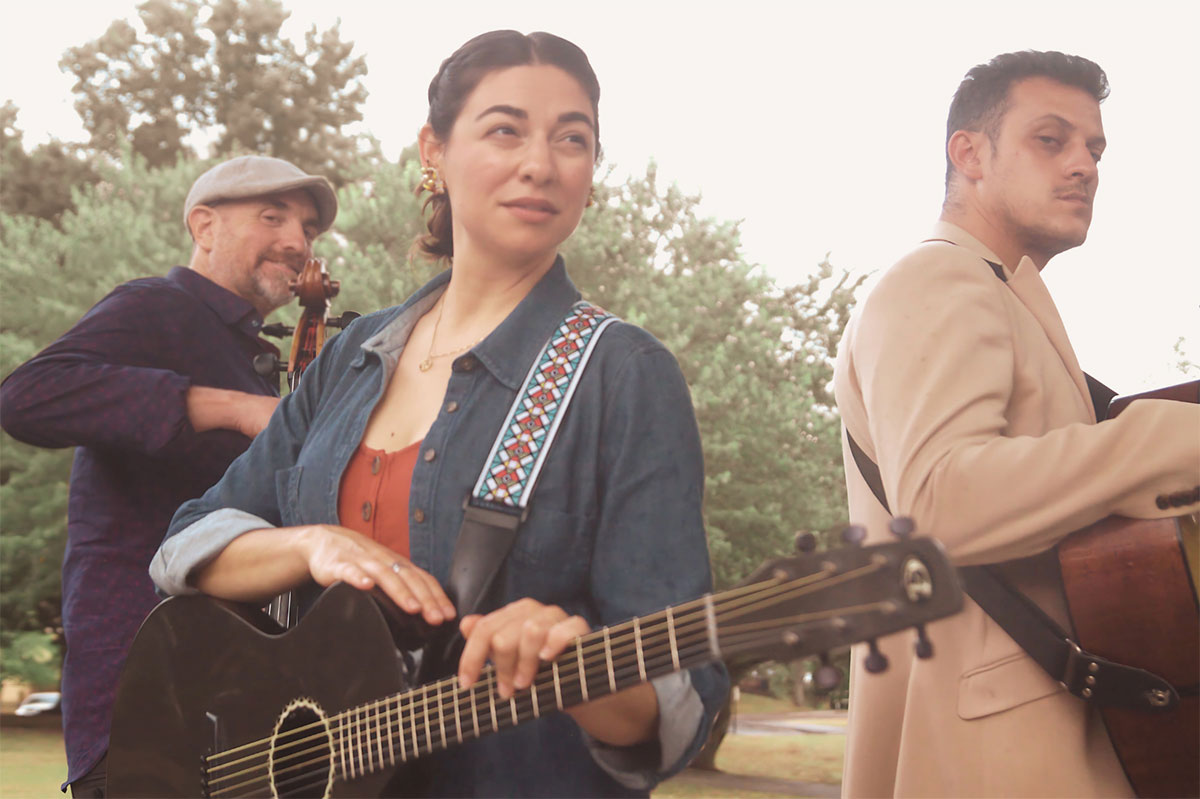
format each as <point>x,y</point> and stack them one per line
<point>336,553</point>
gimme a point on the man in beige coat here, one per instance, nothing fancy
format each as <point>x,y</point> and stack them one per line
<point>957,378</point>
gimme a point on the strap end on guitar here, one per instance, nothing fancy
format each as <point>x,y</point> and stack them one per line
<point>1103,682</point>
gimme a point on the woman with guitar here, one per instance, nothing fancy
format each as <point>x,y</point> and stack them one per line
<point>422,436</point>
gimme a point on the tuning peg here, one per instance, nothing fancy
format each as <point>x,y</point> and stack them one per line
<point>854,535</point>
<point>805,542</point>
<point>342,321</point>
<point>876,661</point>
<point>267,364</point>
<point>902,527</point>
<point>278,330</point>
<point>827,676</point>
<point>924,647</point>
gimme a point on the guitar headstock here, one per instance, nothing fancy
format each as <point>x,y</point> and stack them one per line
<point>809,604</point>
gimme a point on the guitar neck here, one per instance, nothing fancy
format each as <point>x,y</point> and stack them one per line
<point>412,724</point>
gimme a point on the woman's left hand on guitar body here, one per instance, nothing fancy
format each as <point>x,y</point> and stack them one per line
<point>520,636</point>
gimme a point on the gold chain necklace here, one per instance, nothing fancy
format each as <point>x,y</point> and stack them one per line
<point>427,364</point>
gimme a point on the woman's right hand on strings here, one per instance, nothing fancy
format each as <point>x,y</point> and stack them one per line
<point>337,553</point>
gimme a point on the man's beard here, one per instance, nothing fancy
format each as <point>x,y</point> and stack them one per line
<point>274,287</point>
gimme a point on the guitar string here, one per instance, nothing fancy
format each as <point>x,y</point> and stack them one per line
<point>727,599</point>
<point>430,744</point>
<point>426,701</point>
<point>371,710</point>
<point>650,629</point>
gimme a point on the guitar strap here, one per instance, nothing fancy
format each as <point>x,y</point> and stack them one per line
<point>1085,675</point>
<point>499,502</point>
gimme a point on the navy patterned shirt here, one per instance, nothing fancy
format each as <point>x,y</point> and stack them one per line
<point>115,386</point>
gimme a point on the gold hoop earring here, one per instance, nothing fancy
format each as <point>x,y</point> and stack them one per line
<point>431,182</point>
<point>591,200</point>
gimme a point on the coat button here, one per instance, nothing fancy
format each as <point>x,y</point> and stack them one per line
<point>375,463</point>
<point>451,406</point>
<point>366,511</point>
<point>430,455</point>
<point>467,363</point>
<point>418,515</point>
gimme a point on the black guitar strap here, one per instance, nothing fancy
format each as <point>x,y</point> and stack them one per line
<point>1085,675</point>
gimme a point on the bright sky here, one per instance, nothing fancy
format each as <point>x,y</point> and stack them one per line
<point>821,125</point>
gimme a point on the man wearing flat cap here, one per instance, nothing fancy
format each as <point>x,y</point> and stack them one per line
<point>155,386</point>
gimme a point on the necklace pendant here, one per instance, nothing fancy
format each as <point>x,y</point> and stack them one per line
<point>425,365</point>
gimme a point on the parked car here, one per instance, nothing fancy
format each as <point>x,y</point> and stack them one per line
<point>36,704</point>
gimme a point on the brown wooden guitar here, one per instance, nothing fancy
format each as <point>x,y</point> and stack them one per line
<point>1131,590</point>
<point>216,700</point>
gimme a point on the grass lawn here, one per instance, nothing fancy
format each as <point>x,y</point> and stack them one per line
<point>32,763</point>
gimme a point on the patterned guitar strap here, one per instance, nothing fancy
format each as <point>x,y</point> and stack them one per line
<point>499,502</point>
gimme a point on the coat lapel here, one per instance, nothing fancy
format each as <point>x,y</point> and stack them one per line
<point>1027,284</point>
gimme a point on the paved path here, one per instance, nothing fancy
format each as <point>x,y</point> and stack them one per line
<point>744,782</point>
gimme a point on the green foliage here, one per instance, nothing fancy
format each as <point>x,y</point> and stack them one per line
<point>38,183</point>
<point>219,71</point>
<point>30,657</point>
<point>757,356</point>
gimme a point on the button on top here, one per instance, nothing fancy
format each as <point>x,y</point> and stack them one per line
<point>451,406</point>
<point>366,511</point>
<point>467,364</point>
<point>430,455</point>
<point>375,463</point>
<point>418,515</point>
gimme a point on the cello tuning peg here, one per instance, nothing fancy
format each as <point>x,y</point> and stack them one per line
<point>827,677</point>
<point>277,330</point>
<point>267,364</point>
<point>923,646</point>
<point>341,322</point>
<point>902,527</point>
<point>854,535</point>
<point>805,542</point>
<point>876,661</point>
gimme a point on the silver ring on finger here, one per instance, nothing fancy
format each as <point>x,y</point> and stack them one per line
<point>397,567</point>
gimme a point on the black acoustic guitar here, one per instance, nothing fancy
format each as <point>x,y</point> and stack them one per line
<point>216,701</point>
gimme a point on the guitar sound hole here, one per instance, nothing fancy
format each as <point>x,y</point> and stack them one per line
<point>300,753</point>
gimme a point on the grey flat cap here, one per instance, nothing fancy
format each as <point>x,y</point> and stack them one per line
<point>255,175</point>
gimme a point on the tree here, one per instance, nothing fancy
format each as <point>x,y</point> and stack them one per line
<point>38,183</point>
<point>757,356</point>
<point>218,70</point>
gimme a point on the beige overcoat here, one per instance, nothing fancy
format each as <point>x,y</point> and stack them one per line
<point>966,392</point>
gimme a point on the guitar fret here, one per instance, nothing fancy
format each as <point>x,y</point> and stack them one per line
<point>425,713</point>
<point>412,705</point>
<point>711,622</point>
<point>342,740</point>
<point>391,748</point>
<point>358,744</point>
<point>457,718</point>
<point>557,687</point>
<point>582,674</point>
<point>533,695</point>
<point>492,702</point>
<point>671,635</point>
<point>474,713</point>
<point>378,738</point>
<point>637,642</point>
<point>400,724</point>
<point>441,715</point>
<point>612,678</point>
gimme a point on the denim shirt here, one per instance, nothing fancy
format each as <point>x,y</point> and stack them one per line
<point>614,529</point>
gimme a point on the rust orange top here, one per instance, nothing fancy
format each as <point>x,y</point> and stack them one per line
<point>373,499</point>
